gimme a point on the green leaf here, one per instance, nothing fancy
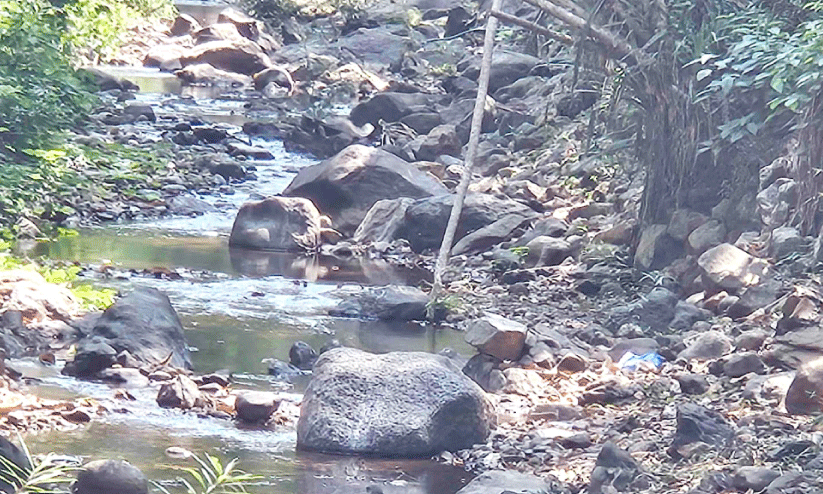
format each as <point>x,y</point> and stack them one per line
<point>777,83</point>
<point>702,74</point>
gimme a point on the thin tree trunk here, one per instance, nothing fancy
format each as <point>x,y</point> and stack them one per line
<point>474,140</point>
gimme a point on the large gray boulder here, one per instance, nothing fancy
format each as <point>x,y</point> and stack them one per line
<point>145,324</point>
<point>388,303</point>
<point>348,184</point>
<point>425,220</point>
<point>403,404</point>
<point>276,223</point>
<point>110,477</point>
<point>239,55</point>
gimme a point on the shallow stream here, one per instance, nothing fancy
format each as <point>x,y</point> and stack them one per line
<point>238,308</point>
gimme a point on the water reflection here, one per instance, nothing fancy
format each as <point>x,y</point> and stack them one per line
<point>283,470</point>
<point>145,248</point>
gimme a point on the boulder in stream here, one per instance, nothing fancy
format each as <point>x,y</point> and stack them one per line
<point>277,223</point>
<point>348,184</point>
<point>110,477</point>
<point>145,324</point>
<point>401,404</point>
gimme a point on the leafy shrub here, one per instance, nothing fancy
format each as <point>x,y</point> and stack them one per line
<point>40,92</point>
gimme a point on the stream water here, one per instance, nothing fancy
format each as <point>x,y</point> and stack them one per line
<point>238,308</point>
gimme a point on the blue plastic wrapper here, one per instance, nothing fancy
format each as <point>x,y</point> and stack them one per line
<point>631,361</point>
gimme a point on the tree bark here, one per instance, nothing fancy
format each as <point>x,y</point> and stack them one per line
<point>474,140</point>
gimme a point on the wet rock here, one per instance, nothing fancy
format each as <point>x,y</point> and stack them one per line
<point>483,369</point>
<point>255,406</point>
<point>302,355</point>
<point>107,82</point>
<point>613,467</point>
<point>135,111</point>
<point>505,481</point>
<point>754,478</point>
<point>181,393</point>
<point>699,424</point>
<point>123,377</point>
<point>10,452</point>
<point>273,75</point>
<point>390,107</point>
<point>184,24</point>
<point>740,364</point>
<point>805,395</point>
<point>212,135</point>
<point>238,55</point>
<point>693,384</point>
<point>146,325</point>
<point>425,220</point>
<point>283,371</point>
<point>728,268</point>
<point>93,355</point>
<point>403,404</point>
<point>185,205</point>
<point>708,345</point>
<point>241,149</point>
<point>497,336</point>
<point>327,137</point>
<point>110,477</point>
<point>389,303</point>
<point>347,185</point>
<point>382,221</point>
<point>277,223</point>
<point>203,73</point>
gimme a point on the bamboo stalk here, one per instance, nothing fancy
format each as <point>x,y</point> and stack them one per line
<point>563,38</point>
<point>474,140</point>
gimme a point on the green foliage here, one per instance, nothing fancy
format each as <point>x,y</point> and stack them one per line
<point>761,67</point>
<point>97,26</point>
<point>211,476</point>
<point>50,181</point>
<point>45,475</point>
<point>40,92</point>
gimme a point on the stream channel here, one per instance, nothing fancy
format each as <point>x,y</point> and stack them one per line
<point>238,308</point>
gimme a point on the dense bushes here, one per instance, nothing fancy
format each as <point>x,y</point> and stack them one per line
<point>40,92</point>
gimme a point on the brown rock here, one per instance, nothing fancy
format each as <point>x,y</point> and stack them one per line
<point>180,393</point>
<point>497,336</point>
<point>805,395</point>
